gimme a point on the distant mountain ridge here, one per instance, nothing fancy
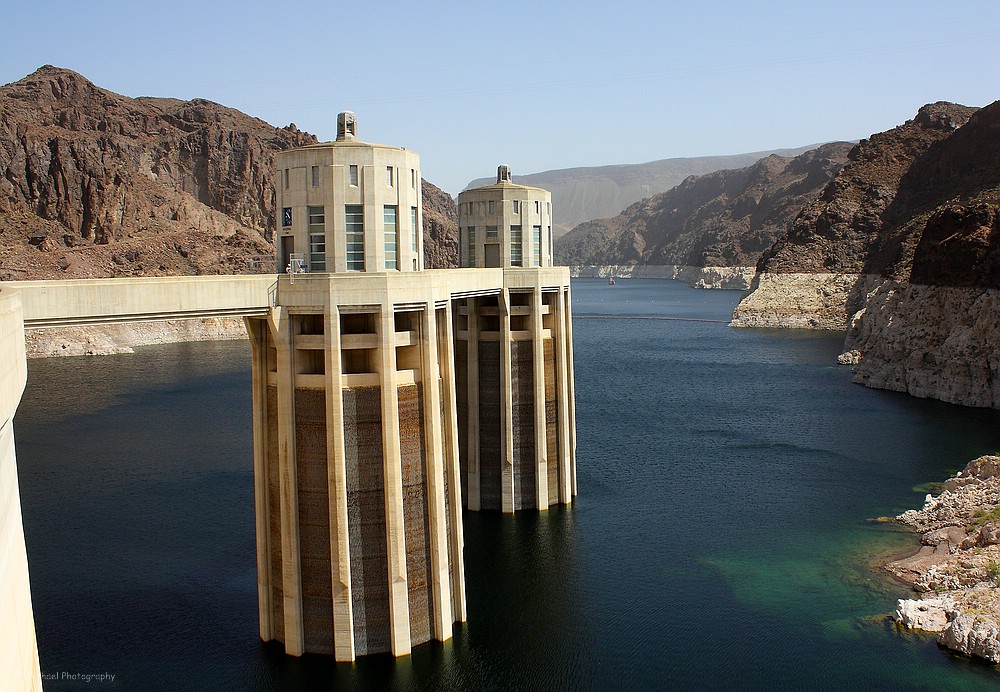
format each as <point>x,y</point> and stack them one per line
<point>596,192</point>
<point>726,218</point>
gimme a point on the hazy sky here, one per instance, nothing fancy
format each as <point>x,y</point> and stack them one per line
<point>537,85</point>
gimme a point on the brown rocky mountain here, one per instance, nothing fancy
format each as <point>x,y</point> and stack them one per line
<point>837,232</point>
<point>440,228</point>
<point>722,219</point>
<point>902,250</point>
<point>97,184</point>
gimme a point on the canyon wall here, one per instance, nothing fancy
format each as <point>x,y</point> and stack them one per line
<point>902,252</point>
<point>723,219</point>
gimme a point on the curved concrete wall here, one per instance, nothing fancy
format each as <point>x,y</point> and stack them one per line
<point>19,667</point>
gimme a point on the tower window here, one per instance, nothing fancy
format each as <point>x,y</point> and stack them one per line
<point>315,176</point>
<point>355,226</point>
<point>317,239</point>
<point>353,175</point>
<point>515,246</point>
<point>517,206</point>
<point>391,235</point>
<point>389,176</point>
<point>414,226</point>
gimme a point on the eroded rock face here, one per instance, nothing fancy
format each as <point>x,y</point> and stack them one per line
<point>930,341</point>
<point>796,301</point>
<point>974,635</point>
<point>958,563</point>
<point>440,227</point>
<point>840,232</point>
<point>927,614</point>
<point>100,340</point>
<point>93,183</point>
<point>915,218</point>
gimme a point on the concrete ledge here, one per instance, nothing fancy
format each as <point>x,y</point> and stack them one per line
<point>109,301</point>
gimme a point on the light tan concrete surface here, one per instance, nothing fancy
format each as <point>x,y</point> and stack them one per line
<point>107,301</point>
<point>19,667</point>
<point>276,362</point>
<point>487,215</point>
<point>328,178</point>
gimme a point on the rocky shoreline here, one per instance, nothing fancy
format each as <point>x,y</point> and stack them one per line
<point>804,300</point>
<point>957,568</point>
<point>107,339</point>
<point>726,278</point>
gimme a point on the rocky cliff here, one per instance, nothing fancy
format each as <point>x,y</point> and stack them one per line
<point>96,184</point>
<point>902,250</point>
<point>807,278</point>
<point>440,228</point>
<point>722,219</point>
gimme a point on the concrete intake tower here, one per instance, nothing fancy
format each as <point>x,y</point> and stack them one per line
<point>387,397</point>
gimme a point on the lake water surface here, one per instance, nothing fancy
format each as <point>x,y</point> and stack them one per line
<point>718,541</point>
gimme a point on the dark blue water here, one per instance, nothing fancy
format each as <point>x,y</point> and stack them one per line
<point>719,539</point>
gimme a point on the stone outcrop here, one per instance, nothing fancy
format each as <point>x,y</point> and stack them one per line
<point>958,563</point>
<point>795,301</point>
<point>440,228</point>
<point>728,278</point>
<point>929,341</point>
<point>928,614</point>
<point>722,219</point>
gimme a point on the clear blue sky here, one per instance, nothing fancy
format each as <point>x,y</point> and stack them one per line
<point>537,85</point>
